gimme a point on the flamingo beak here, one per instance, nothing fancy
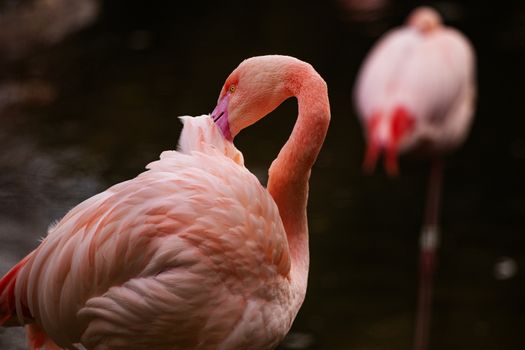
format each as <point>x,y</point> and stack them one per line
<point>220,116</point>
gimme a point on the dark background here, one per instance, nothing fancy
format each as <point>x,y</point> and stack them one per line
<point>93,108</point>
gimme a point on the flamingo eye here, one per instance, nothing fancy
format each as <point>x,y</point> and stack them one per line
<point>232,88</point>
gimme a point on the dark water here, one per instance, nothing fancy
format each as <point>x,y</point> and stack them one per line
<point>122,82</point>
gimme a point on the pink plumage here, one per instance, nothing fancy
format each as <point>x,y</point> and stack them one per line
<point>423,73</point>
<point>194,253</point>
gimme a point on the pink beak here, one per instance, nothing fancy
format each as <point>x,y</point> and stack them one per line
<point>220,116</point>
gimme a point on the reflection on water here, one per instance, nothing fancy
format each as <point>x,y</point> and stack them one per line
<point>121,84</point>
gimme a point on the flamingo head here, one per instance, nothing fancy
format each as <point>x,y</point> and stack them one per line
<point>254,89</point>
<point>386,132</point>
<point>425,19</point>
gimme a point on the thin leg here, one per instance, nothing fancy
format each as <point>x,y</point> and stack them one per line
<point>429,240</point>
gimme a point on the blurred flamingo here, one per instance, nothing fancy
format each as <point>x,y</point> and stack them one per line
<point>416,93</point>
<point>194,253</point>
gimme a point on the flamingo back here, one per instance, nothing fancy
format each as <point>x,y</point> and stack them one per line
<point>191,253</point>
<point>431,75</point>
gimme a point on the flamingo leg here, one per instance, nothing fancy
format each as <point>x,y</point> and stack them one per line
<point>429,240</point>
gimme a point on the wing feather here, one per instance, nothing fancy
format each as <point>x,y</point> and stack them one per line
<point>183,242</point>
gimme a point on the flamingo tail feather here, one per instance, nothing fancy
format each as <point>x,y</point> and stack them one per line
<point>8,298</point>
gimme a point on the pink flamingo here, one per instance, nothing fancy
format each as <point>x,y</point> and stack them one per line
<point>194,253</point>
<point>416,92</point>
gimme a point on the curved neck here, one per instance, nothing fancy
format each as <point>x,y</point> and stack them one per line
<point>290,171</point>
